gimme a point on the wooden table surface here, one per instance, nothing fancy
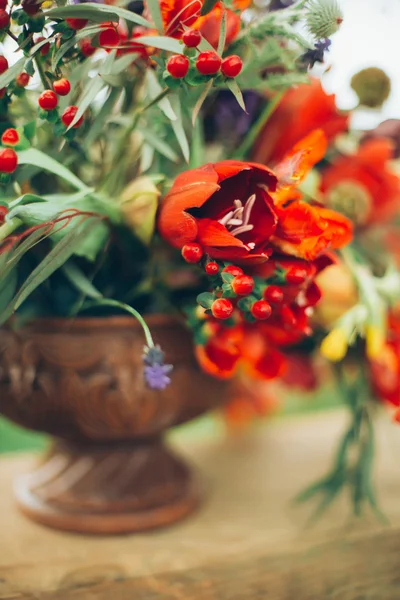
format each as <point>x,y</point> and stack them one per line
<point>247,542</point>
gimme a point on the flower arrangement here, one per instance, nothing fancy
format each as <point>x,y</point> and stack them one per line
<point>157,157</point>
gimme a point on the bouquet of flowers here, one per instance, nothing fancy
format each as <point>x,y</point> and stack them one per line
<point>160,157</point>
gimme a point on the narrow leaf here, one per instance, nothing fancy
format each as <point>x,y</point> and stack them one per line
<point>155,11</point>
<point>236,91</point>
<point>66,46</point>
<point>80,281</point>
<point>156,90</point>
<point>89,10</point>
<point>146,157</point>
<point>161,42</point>
<point>44,162</point>
<point>159,144</point>
<point>90,92</point>
<point>222,35</point>
<point>208,5</point>
<point>12,72</point>
<point>201,100</point>
<point>178,128</point>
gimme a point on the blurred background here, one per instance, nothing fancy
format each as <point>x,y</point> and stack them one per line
<point>369,37</point>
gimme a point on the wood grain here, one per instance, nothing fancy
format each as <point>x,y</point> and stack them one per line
<point>248,542</point>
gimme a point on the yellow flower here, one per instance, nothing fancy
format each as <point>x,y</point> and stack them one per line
<point>375,341</point>
<point>334,345</point>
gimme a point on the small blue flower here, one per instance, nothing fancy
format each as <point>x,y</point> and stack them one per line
<point>155,371</point>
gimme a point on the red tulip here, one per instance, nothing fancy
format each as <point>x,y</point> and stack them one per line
<point>225,207</point>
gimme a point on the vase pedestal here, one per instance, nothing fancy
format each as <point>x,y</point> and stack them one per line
<point>108,489</point>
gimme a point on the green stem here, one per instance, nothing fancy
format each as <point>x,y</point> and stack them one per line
<point>256,129</point>
<point>41,72</point>
<point>128,309</point>
<point>9,227</point>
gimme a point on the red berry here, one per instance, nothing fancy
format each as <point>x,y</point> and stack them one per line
<point>22,80</point>
<point>261,310</point>
<point>296,275</point>
<point>192,252</point>
<point>48,100</point>
<point>45,49</point>
<point>4,19</point>
<point>3,64</point>
<point>243,285</point>
<point>10,137</point>
<point>62,87</point>
<point>3,4</point>
<point>208,63</point>
<point>3,213</point>
<point>178,66</point>
<point>76,23</point>
<point>233,270</point>
<point>87,49</point>
<point>231,66</point>
<point>109,38</point>
<point>222,308</point>
<point>212,268</point>
<point>2,92</point>
<point>191,38</point>
<point>273,294</point>
<point>8,160</point>
<point>69,115</point>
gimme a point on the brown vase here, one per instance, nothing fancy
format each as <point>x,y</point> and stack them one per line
<point>82,382</point>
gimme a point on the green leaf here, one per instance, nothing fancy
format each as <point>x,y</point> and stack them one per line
<point>93,12</point>
<point>7,288</point>
<point>92,89</point>
<point>129,16</point>
<point>200,101</point>
<point>66,46</point>
<point>60,253</point>
<point>205,299</point>
<point>155,11</point>
<point>178,128</point>
<point>30,130</point>
<point>23,200</point>
<point>161,42</point>
<point>44,162</point>
<point>236,91</point>
<point>222,35</point>
<point>227,277</point>
<point>12,72</point>
<point>106,110</point>
<point>146,157</point>
<point>207,7</point>
<point>156,90</point>
<point>159,144</point>
<point>80,281</point>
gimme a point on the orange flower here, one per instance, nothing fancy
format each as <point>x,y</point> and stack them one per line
<point>210,25</point>
<point>302,109</point>
<point>362,185</point>
<point>180,14</point>
<point>229,348</point>
<point>385,369</point>
<point>231,209</point>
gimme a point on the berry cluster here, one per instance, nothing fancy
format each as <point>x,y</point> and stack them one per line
<point>8,157</point>
<point>199,66</point>
<point>48,102</point>
<point>283,293</point>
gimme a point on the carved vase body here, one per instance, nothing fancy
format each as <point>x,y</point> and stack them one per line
<point>82,382</point>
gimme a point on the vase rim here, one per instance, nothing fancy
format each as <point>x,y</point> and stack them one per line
<point>123,321</point>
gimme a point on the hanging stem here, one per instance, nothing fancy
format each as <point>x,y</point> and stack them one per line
<point>128,309</point>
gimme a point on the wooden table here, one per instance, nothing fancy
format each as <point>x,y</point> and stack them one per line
<point>248,542</point>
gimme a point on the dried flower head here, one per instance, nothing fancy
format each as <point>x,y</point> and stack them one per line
<point>372,86</point>
<point>323,18</point>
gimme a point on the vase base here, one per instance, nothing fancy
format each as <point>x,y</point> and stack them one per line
<point>108,491</point>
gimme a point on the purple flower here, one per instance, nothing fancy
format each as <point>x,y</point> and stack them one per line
<point>155,371</point>
<point>316,54</point>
